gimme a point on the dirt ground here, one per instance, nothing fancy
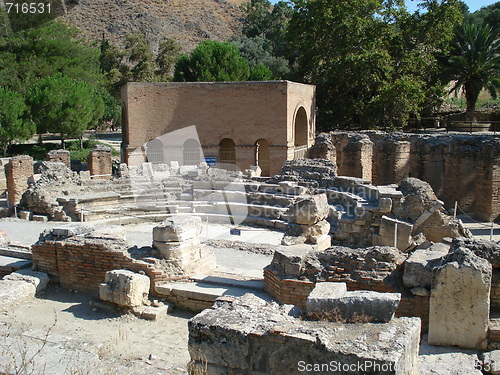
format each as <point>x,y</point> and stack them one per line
<point>82,339</point>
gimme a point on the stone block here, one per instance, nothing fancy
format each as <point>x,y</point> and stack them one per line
<point>321,242</point>
<point>250,337</point>
<point>178,228</point>
<point>123,170</point>
<point>387,231</point>
<point>84,175</point>
<point>418,268</point>
<point>71,230</point>
<point>290,260</point>
<point>152,312</point>
<point>491,362</point>
<point>147,169</point>
<point>174,167</point>
<point>39,279</point>
<point>13,292</point>
<point>41,218</point>
<point>99,162</point>
<point>309,210</point>
<point>176,249</point>
<point>17,171</point>
<point>320,228</point>
<point>59,156</point>
<point>25,215</point>
<point>125,288</point>
<point>460,301</point>
<point>332,300</point>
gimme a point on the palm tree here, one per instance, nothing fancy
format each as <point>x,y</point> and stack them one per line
<point>474,62</point>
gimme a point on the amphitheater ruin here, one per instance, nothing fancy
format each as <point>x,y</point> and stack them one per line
<point>370,258</point>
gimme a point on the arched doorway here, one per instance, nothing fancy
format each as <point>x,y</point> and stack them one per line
<point>191,152</point>
<point>154,151</point>
<point>262,158</point>
<point>300,133</point>
<point>227,151</point>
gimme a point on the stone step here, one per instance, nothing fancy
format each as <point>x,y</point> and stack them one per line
<point>10,264</point>
<point>255,284</point>
<point>198,296</point>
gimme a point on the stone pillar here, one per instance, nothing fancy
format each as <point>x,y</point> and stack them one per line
<point>177,240</point>
<point>59,156</point>
<point>307,223</point>
<point>3,177</point>
<point>323,148</point>
<point>99,162</point>
<point>487,192</point>
<point>358,156</point>
<point>18,171</point>
<point>391,160</point>
<point>459,311</point>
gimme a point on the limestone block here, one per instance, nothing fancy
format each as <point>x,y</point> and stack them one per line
<point>249,337</point>
<point>25,215</point>
<point>61,156</point>
<point>13,292</point>
<point>185,169</point>
<point>71,230</point>
<point>4,239</point>
<point>174,167</point>
<point>39,279</point>
<point>125,288</point>
<point>123,170</point>
<point>290,260</point>
<point>460,301</point>
<point>491,362</point>
<point>332,299</point>
<point>320,228</point>
<point>176,249</point>
<point>178,228</point>
<point>386,233</point>
<point>293,240</point>
<point>418,268</point>
<point>85,175</point>
<point>309,210</point>
<point>42,218</point>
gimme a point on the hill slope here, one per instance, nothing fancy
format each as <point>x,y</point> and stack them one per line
<point>188,21</point>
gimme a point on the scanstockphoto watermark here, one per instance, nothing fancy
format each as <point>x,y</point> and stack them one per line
<point>345,368</point>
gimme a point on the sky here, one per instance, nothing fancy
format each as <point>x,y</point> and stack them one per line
<point>473,4</point>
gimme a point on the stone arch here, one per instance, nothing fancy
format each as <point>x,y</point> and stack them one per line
<point>227,151</point>
<point>262,157</point>
<point>300,133</point>
<point>191,152</point>
<point>154,151</point>
<point>300,127</point>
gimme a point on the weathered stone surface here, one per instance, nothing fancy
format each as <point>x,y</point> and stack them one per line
<point>99,162</point>
<point>54,171</point>
<point>307,170</point>
<point>17,171</point>
<point>290,260</point>
<point>489,250</point>
<point>70,230</point>
<point>309,211</point>
<point>178,228</point>
<point>418,268</point>
<point>59,156</point>
<point>25,215</point>
<point>391,230</point>
<point>152,312</point>
<point>125,288</point>
<point>39,279</point>
<point>320,228</point>
<point>249,336</point>
<point>13,292</point>
<point>333,300</point>
<point>460,301</point>
<point>491,362</point>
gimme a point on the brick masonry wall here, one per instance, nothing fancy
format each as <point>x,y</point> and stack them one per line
<point>468,163</point>
<point>82,265</point>
<point>99,163</point>
<point>295,292</point>
<point>18,170</point>
<point>243,112</point>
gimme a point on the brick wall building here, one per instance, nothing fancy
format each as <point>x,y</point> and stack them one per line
<point>231,123</point>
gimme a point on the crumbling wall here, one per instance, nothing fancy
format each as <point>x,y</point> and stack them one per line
<point>80,261</point>
<point>462,168</point>
<point>18,170</point>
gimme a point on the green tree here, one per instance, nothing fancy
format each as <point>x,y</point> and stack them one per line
<point>139,55</point>
<point>489,15</point>
<point>14,122</point>
<point>372,61</point>
<point>260,72</point>
<point>257,50</point>
<point>112,66</point>
<point>61,104</point>
<point>167,56</point>
<point>39,52</point>
<point>474,63</point>
<point>212,61</point>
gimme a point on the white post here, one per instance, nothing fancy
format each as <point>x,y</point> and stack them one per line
<point>455,210</point>
<point>81,215</point>
<point>491,232</point>
<point>395,235</point>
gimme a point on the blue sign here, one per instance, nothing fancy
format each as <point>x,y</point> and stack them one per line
<point>235,232</point>
<point>211,161</point>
